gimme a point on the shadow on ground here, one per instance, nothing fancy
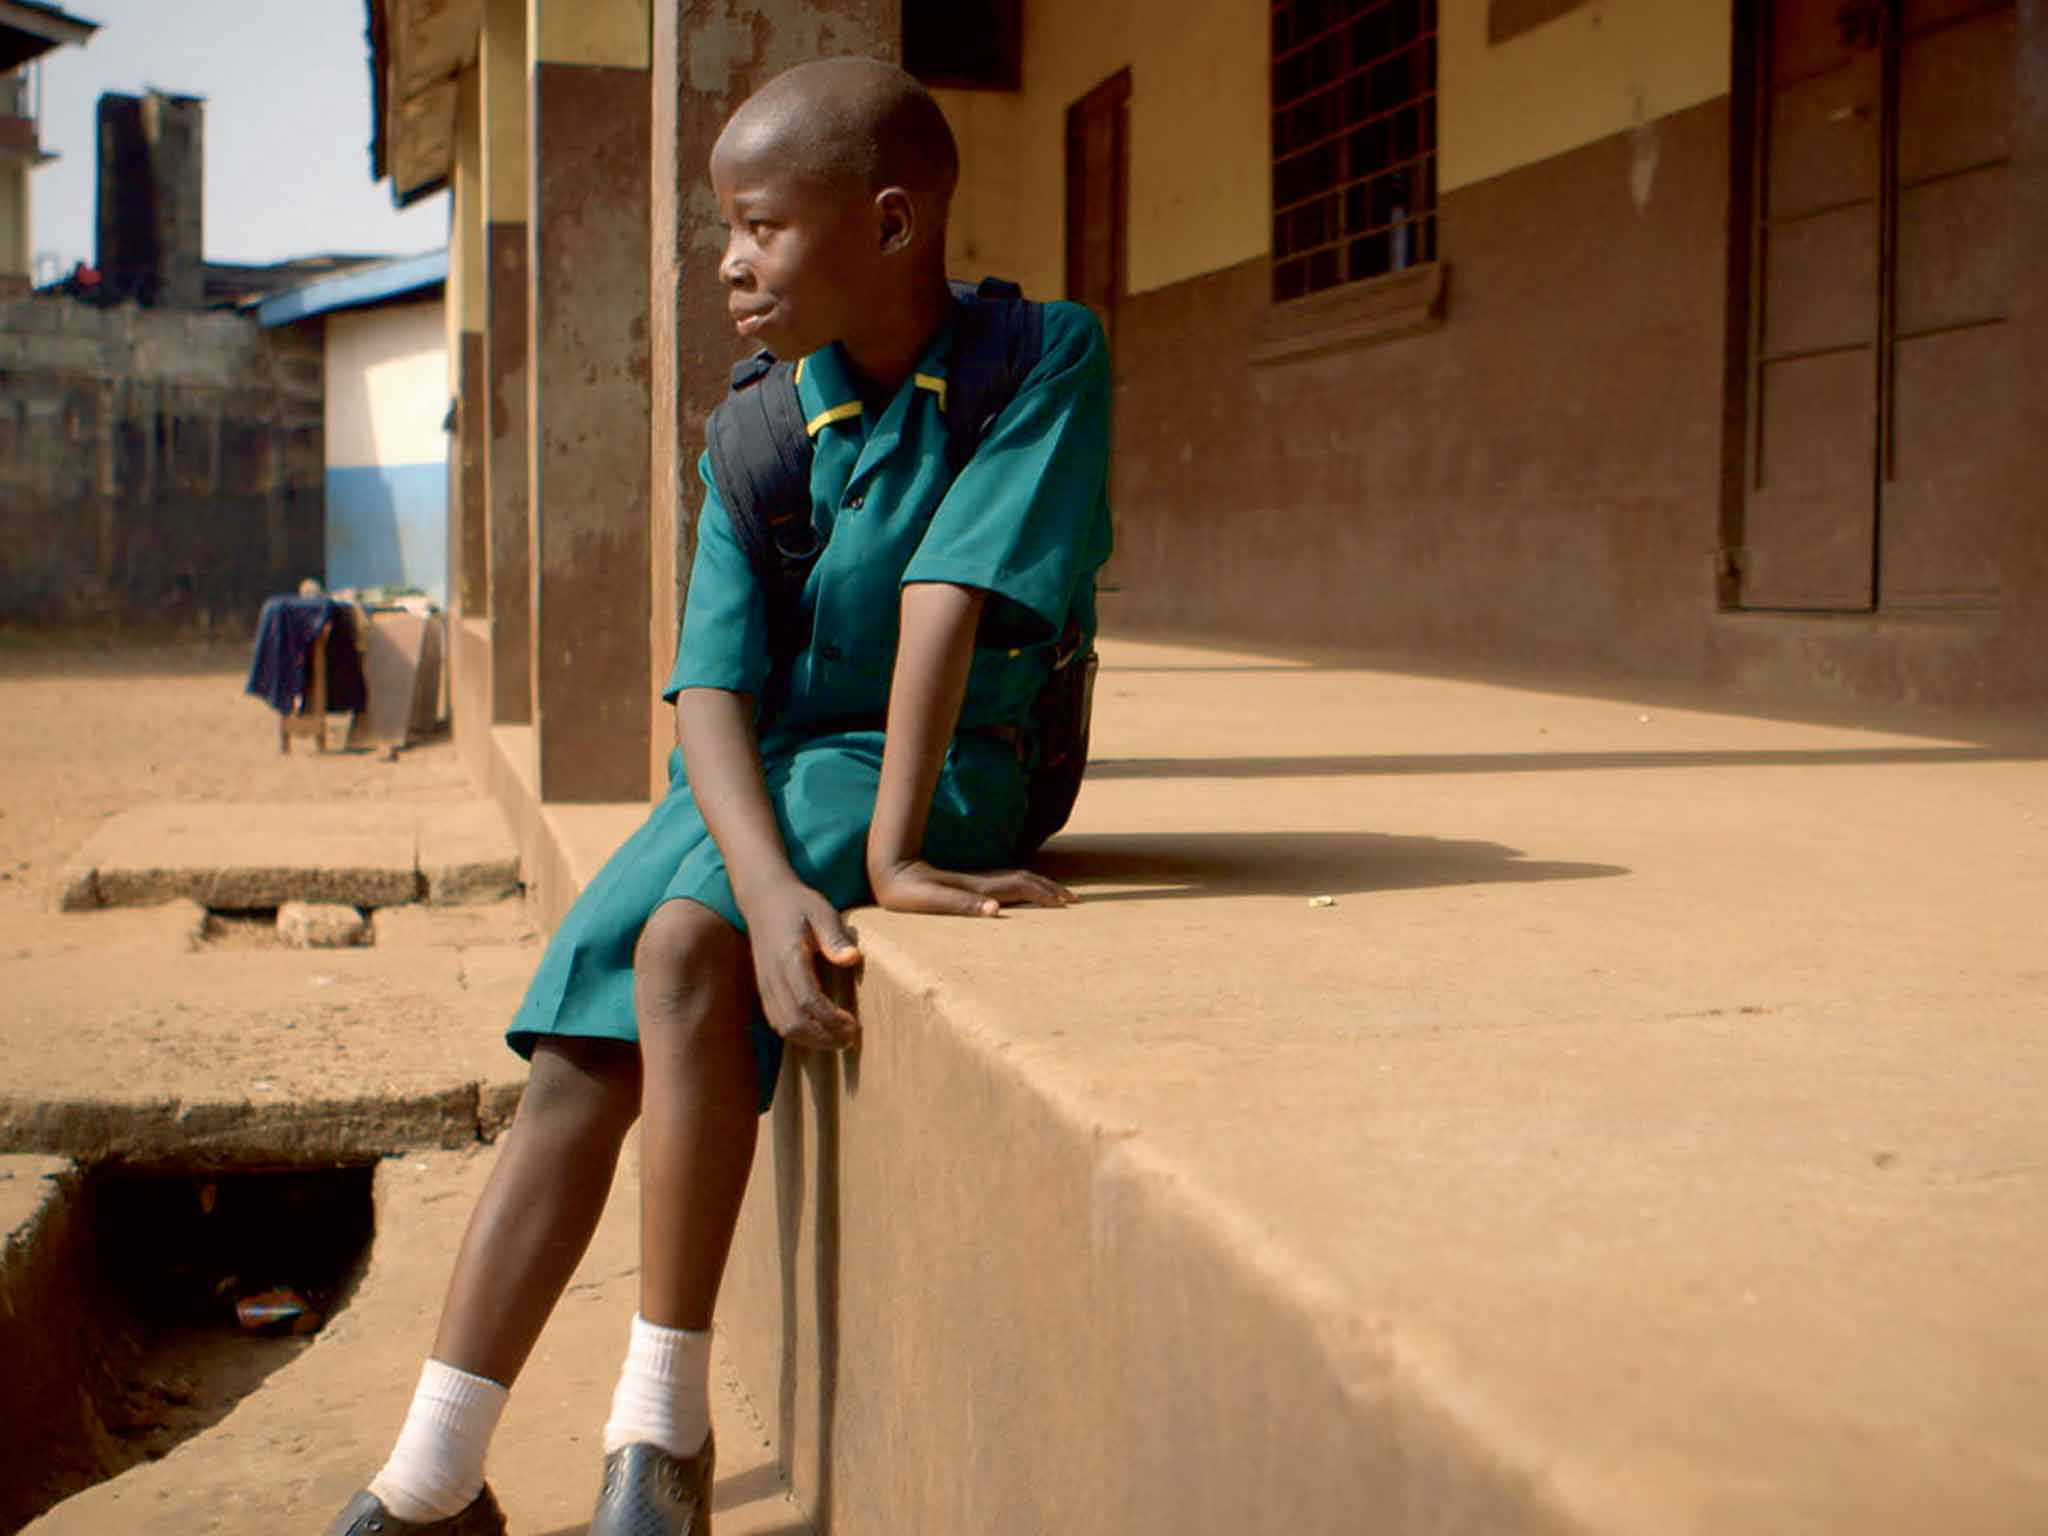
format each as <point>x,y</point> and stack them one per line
<point>1173,864</point>
<point>1383,764</point>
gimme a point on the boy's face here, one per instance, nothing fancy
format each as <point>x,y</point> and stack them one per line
<point>798,253</point>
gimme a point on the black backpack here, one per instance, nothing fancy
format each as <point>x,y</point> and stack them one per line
<point>761,460</point>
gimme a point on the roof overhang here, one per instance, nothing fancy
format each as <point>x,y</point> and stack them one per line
<point>418,50</point>
<point>28,30</point>
<point>359,288</point>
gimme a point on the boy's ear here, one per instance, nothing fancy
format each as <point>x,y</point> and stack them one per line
<point>895,219</point>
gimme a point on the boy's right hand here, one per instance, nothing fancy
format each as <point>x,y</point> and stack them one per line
<point>790,928</point>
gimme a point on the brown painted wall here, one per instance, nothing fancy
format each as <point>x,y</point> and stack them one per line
<point>155,465</point>
<point>1438,493</point>
<point>588,426</point>
<point>1536,483</point>
<point>511,568</point>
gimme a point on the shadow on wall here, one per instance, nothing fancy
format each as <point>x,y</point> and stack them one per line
<point>1153,866</point>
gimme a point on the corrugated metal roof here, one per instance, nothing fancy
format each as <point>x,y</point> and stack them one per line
<point>355,289</point>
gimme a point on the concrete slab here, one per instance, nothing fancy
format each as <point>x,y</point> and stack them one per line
<point>271,1053</point>
<point>292,1452</point>
<point>1647,1136</point>
<point>351,853</point>
<point>466,855</point>
<point>239,856</point>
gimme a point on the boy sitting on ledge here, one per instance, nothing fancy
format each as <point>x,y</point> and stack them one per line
<point>885,758</point>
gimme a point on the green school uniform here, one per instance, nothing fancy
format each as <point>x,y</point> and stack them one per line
<point>1027,520</point>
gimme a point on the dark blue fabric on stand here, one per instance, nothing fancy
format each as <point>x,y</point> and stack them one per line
<point>285,632</point>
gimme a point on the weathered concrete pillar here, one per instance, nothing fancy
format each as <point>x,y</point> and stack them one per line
<point>503,61</point>
<point>469,583</point>
<point>709,56</point>
<point>587,393</point>
<point>469,649</point>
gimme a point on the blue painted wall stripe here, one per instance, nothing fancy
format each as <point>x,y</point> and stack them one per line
<point>387,525</point>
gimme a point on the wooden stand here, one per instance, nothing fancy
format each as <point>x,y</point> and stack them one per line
<point>311,719</point>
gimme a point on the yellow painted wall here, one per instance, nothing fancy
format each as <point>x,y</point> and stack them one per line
<point>502,58</point>
<point>613,32</point>
<point>467,308</point>
<point>1197,125</point>
<point>1199,169</point>
<point>1606,67</point>
<point>14,219</point>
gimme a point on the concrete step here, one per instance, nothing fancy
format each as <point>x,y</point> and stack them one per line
<point>270,1055</point>
<point>1451,1108</point>
<point>360,854</point>
<point>291,1453</point>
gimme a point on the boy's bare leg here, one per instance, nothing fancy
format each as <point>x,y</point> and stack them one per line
<point>540,1205</point>
<point>693,992</point>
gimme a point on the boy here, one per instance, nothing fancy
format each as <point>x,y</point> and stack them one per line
<point>880,763</point>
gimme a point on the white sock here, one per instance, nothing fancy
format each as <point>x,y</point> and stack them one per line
<point>437,1466</point>
<point>664,1392</point>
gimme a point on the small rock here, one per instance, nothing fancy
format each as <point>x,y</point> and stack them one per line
<point>312,925</point>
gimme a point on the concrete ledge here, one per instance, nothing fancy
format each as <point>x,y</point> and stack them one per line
<point>560,846</point>
<point>1461,1109</point>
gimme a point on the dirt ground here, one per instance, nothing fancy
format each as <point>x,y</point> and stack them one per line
<point>92,725</point>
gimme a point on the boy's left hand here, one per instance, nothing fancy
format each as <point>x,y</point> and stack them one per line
<point>915,886</point>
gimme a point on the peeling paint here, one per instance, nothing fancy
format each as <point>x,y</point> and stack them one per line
<point>717,45</point>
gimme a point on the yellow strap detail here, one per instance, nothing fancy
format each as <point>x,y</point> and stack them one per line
<point>935,384</point>
<point>825,418</point>
<point>800,369</point>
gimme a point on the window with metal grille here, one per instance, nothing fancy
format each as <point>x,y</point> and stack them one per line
<point>964,44</point>
<point>1354,141</point>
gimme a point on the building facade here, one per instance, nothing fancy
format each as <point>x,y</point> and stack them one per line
<point>27,32</point>
<point>1628,344</point>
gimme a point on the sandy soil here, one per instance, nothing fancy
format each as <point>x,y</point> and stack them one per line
<point>92,725</point>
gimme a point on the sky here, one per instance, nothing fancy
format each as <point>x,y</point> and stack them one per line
<point>287,88</point>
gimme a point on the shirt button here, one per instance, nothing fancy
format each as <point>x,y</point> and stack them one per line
<point>856,502</point>
<point>829,652</point>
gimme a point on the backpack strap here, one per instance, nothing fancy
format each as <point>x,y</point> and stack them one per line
<point>1000,339</point>
<point>761,459</point>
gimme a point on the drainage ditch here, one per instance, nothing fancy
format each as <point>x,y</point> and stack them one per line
<point>144,1304</point>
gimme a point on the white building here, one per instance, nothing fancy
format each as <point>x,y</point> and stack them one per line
<point>386,375</point>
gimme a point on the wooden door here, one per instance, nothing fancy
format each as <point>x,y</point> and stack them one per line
<point>1880,372</point>
<point>1097,157</point>
<point>1954,369</point>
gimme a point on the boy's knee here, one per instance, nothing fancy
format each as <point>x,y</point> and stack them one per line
<point>689,961</point>
<point>584,1083</point>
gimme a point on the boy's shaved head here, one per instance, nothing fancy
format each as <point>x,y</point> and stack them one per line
<point>852,123</point>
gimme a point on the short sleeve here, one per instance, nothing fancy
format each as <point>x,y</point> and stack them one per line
<point>1028,516</point>
<point>725,629</point>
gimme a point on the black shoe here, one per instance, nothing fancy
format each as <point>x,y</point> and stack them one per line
<point>648,1492</point>
<point>367,1516</point>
